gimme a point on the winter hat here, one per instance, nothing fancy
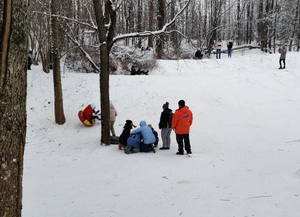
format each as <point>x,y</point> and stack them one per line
<point>93,106</point>
<point>149,125</point>
<point>166,105</point>
<point>128,121</point>
<point>181,103</point>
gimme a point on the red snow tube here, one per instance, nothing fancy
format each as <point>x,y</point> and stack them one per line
<point>85,121</point>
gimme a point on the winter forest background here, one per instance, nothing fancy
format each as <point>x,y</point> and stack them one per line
<point>266,23</point>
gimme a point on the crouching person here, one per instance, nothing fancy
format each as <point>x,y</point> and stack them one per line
<point>125,134</point>
<point>148,137</point>
<point>133,144</point>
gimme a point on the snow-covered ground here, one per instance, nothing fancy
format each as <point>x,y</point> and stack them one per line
<point>245,141</point>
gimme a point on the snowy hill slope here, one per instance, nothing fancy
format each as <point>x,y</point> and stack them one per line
<point>245,141</point>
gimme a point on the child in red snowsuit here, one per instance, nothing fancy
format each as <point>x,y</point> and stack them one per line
<point>89,112</point>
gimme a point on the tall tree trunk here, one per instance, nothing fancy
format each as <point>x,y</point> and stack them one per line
<point>295,27</point>
<point>238,22</point>
<point>58,97</point>
<point>160,23</point>
<point>151,22</point>
<point>139,21</point>
<point>105,39</point>
<point>13,84</point>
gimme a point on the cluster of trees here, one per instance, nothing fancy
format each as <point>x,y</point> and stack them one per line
<point>265,22</point>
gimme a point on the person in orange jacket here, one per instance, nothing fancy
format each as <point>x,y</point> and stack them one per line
<point>181,123</point>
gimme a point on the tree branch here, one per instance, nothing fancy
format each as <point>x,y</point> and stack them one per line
<point>150,33</point>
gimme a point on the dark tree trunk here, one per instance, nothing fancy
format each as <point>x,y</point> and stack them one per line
<point>58,97</point>
<point>105,39</point>
<point>13,84</point>
<point>151,22</point>
<point>160,24</point>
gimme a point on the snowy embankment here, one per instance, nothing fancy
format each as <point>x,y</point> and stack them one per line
<point>245,141</point>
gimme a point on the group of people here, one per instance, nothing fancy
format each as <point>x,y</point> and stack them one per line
<point>135,71</point>
<point>282,50</point>
<point>219,47</point>
<point>144,138</point>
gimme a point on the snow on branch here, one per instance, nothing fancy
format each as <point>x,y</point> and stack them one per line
<point>150,33</point>
<point>92,26</point>
<point>89,58</point>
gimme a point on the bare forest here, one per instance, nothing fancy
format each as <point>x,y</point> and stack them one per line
<point>265,24</point>
<point>106,37</point>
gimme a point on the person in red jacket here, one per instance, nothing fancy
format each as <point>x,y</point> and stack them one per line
<point>89,112</point>
<point>181,123</point>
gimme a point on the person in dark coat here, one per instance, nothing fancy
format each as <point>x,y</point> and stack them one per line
<point>165,126</point>
<point>135,71</point>
<point>29,61</point>
<point>198,55</point>
<point>229,47</point>
<point>125,134</point>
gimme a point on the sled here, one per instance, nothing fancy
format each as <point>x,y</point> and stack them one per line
<point>84,120</point>
<point>114,140</point>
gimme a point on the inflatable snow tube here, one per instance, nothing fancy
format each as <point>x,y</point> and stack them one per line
<point>84,120</point>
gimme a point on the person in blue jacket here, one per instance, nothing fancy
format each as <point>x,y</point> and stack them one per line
<point>148,137</point>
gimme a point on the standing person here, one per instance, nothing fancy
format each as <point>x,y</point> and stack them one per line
<point>229,47</point>
<point>181,123</point>
<point>30,61</point>
<point>165,126</point>
<point>218,47</point>
<point>113,114</point>
<point>282,50</point>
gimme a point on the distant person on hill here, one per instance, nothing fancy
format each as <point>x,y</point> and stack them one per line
<point>229,47</point>
<point>135,71</point>
<point>198,55</point>
<point>218,48</point>
<point>282,50</point>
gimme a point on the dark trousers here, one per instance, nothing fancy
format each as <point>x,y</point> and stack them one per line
<point>186,138</point>
<point>218,53</point>
<point>282,60</point>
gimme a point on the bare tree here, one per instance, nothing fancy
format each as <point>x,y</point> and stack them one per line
<point>58,99</point>
<point>13,77</point>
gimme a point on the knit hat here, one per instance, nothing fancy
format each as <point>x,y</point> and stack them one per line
<point>149,125</point>
<point>166,105</point>
<point>181,103</point>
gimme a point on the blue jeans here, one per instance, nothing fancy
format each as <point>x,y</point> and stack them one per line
<point>219,53</point>
<point>229,52</point>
